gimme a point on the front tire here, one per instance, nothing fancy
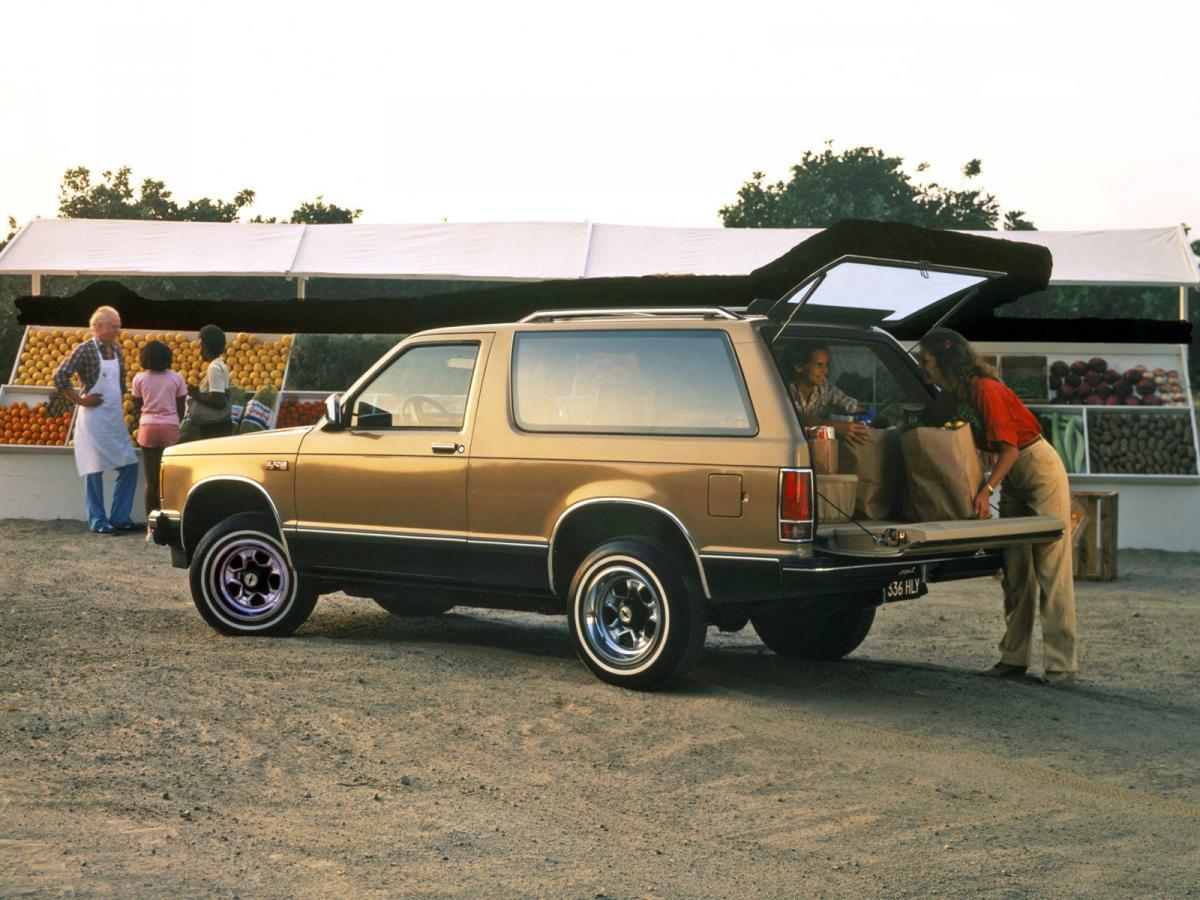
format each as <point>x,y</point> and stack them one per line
<point>790,632</point>
<point>637,613</point>
<point>242,582</point>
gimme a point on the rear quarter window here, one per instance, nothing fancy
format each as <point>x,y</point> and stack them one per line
<point>630,382</point>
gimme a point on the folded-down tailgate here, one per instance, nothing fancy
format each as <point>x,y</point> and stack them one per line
<point>915,539</point>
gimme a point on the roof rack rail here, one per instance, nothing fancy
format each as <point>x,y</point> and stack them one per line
<point>550,315</point>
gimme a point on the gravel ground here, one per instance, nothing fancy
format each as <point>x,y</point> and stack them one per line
<point>141,753</point>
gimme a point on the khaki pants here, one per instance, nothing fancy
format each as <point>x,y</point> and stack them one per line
<point>1037,485</point>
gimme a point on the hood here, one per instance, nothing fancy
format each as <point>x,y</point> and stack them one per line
<point>281,443</point>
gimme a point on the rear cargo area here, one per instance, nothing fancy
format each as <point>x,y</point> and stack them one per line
<point>895,466</point>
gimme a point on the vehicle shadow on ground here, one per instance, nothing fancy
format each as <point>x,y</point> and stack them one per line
<point>894,689</point>
<point>528,635</point>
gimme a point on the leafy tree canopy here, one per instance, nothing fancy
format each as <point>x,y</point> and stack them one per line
<point>318,212</point>
<point>864,183</point>
<point>113,197</point>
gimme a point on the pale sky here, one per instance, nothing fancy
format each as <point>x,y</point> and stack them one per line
<point>1085,115</point>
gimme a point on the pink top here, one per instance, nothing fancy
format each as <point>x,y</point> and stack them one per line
<point>158,391</point>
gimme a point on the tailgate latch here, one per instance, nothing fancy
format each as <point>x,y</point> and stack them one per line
<point>894,537</point>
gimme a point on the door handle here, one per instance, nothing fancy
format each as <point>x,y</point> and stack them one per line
<point>447,448</point>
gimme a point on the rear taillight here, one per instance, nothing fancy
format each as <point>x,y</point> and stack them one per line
<point>795,505</point>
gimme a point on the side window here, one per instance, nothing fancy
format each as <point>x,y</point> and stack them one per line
<point>630,382</point>
<point>424,387</point>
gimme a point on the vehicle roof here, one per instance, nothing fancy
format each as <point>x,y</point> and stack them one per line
<point>615,319</point>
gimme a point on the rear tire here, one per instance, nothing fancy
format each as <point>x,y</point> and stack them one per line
<point>242,582</point>
<point>790,632</point>
<point>637,613</point>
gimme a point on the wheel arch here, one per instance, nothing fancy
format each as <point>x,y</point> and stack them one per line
<point>587,523</point>
<point>215,498</point>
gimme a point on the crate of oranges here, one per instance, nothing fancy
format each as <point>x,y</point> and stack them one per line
<point>26,419</point>
<point>255,360</point>
<point>300,408</point>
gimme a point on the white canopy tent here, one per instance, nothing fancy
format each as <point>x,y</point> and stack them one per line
<point>515,251</point>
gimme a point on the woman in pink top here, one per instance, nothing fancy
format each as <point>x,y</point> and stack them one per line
<point>158,393</point>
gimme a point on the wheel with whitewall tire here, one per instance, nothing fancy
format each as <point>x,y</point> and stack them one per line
<point>243,583</point>
<point>637,613</point>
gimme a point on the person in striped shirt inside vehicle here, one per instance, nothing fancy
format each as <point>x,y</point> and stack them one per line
<point>817,401</point>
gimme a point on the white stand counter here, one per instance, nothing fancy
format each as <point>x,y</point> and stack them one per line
<point>41,483</point>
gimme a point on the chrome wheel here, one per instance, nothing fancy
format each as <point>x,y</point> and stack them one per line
<point>249,579</point>
<point>622,612</point>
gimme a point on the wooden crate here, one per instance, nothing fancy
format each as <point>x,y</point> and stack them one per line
<point>1096,551</point>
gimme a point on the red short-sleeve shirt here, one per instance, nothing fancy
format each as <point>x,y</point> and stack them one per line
<point>1006,420</point>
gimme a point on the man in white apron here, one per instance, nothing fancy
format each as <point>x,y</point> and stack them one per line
<point>102,441</point>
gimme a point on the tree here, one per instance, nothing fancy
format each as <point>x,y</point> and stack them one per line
<point>114,198</point>
<point>863,183</point>
<point>317,212</point>
<point>13,228</point>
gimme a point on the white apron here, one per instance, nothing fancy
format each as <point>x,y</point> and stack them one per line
<point>101,439</point>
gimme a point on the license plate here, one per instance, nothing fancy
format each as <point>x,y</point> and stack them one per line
<point>909,584</point>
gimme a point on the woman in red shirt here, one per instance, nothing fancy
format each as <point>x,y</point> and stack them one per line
<point>1035,483</point>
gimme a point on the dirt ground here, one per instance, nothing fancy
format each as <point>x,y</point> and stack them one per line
<point>141,753</point>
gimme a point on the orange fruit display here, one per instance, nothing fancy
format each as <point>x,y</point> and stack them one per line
<point>254,360</point>
<point>293,412</point>
<point>22,424</point>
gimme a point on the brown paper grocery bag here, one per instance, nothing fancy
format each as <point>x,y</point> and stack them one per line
<point>823,454</point>
<point>943,472</point>
<point>880,470</point>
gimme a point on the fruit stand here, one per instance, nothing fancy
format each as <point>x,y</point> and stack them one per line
<point>37,470</point>
<point>1121,418</point>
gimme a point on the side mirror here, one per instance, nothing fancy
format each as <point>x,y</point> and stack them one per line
<point>334,415</point>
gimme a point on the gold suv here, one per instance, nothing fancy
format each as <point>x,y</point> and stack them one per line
<point>642,471</point>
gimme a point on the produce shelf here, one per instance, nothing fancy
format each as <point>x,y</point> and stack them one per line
<point>289,398</point>
<point>32,397</point>
<point>1176,448</point>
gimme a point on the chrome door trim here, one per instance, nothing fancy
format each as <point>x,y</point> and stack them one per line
<point>525,545</point>
<point>630,502</point>
<point>733,556</point>
<point>244,480</point>
<point>395,535</point>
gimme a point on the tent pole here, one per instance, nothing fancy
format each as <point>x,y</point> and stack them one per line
<point>1183,310</point>
<point>299,288</point>
<point>35,284</point>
